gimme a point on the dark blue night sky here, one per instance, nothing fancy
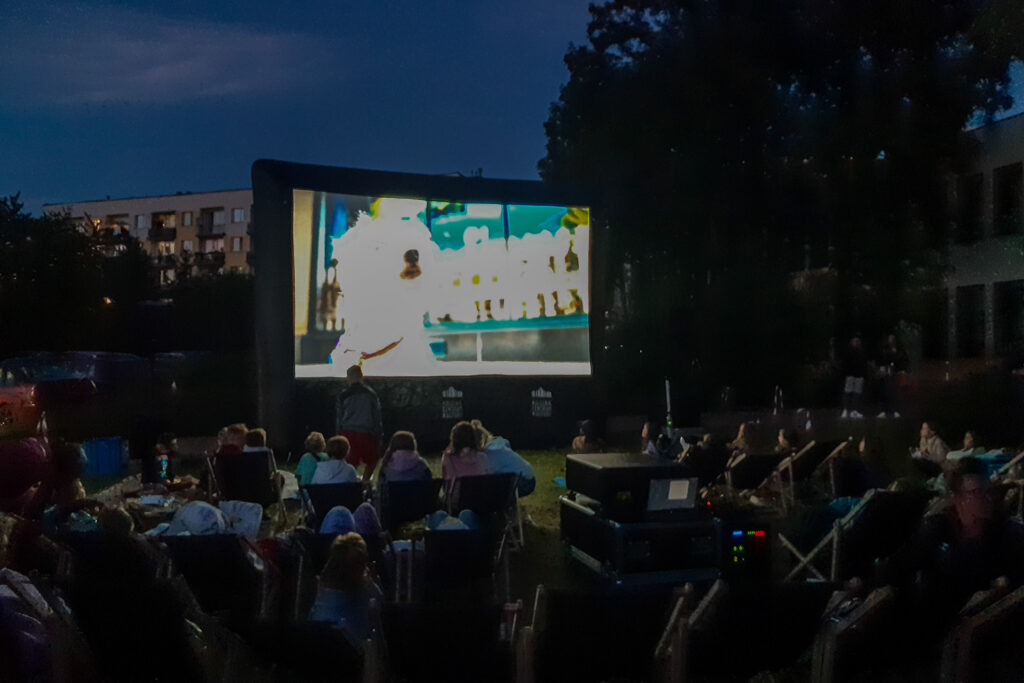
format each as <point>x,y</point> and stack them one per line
<point>132,98</point>
<point>152,97</point>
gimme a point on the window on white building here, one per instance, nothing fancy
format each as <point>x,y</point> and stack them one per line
<point>237,215</point>
<point>236,244</point>
<point>218,217</point>
<point>186,219</point>
<point>140,222</point>
<point>210,246</point>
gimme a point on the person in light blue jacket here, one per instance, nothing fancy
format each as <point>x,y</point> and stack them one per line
<point>501,459</point>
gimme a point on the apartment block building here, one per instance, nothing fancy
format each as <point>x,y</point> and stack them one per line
<point>985,284</point>
<point>187,232</point>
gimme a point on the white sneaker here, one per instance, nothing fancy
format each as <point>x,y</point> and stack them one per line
<point>845,415</point>
<point>855,415</point>
<point>881,415</point>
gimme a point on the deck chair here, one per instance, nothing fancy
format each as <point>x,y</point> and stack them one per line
<point>670,656</point>
<point>850,633</point>
<point>408,501</point>
<point>830,463</point>
<point>320,498</point>
<point>875,528</point>
<point>1004,474</point>
<point>801,466</point>
<point>775,622</point>
<point>746,471</point>
<point>225,573</point>
<point>985,645</point>
<point>782,478</point>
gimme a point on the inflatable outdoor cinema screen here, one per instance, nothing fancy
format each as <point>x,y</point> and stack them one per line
<point>425,279</point>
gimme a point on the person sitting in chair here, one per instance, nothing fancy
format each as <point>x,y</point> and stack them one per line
<point>315,446</point>
<point>402,461</point>
<point>335,470</point>
<point>345,589</point>
<point>964,547</point>
<point>587,440</point>
<point>255,439</point>
<point>463,458</point>
<point>502,459</point>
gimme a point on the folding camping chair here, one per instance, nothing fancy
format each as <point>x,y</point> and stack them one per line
<point>223,655</point>
<point>874,528</point>
<point>487,495</point>
<point>426,632</point>
<point>408,501</point>
<point>569,638</point>
<point>842,636</point>
<point>984,639</point>
<point>72,657</point>
<point>320,498</point>
<point>225,572</point>
<point>250,476</point>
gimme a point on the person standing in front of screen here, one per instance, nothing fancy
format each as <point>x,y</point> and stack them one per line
<point>360,422</point>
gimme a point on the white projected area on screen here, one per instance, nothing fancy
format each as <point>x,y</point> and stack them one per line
<point>424,288</point>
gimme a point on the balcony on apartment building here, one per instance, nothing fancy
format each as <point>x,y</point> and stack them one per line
<point>209,262</point>
<point>162,234</point>
<point>210,223</point>
<point>163,227</point>
<point>164,261</point>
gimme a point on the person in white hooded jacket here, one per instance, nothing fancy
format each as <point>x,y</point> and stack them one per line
<point>402,461</point>
<point>502,459</point>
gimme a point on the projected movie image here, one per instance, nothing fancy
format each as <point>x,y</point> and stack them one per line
<point>423,288</point>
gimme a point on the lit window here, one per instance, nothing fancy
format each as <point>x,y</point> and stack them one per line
<point>186,219</point>
<point>237,215</point>
<point>236,244</point>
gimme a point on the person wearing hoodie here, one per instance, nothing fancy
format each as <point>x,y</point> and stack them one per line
<point>314,455</point>
<point>402,461</point>
<point>502,459</point>
<point>335,470</point>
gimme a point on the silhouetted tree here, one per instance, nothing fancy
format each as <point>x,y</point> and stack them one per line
<point>735,141</point>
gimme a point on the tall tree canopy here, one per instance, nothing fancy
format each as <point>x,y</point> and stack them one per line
<point>736,141</point>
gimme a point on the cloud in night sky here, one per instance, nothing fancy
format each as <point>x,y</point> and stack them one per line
<point>77,55</point>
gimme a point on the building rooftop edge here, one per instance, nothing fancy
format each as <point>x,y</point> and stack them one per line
<point>148,196</point>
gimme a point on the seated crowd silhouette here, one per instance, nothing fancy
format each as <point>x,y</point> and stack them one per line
<point>249,572</point>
